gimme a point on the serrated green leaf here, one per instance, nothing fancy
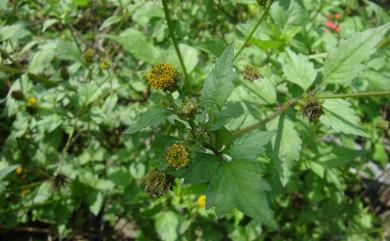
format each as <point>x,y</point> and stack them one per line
<point>250,145</point>
<point>154,116</point>
<point>201,169</point>
<point>239,184</point>
<point>135,42</point>
<point>219,85</point>
<point>344,62</point>
<point>286,145</point>
<point>95,201</point>
<point>299,70</point>
<point>166,224</point>
<point>7,170</point>
<point>340,117</point>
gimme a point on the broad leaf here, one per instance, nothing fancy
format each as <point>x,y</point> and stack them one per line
<point>7,170</point>
<point>340,117</point>
<point>250,145</point>
<point>202,167</point>
<point>219,85</point>
<point>286,147</point>
<point>299,70</point>
<point>167,223</point>
<point>154,116</point>
<point>344,62</point>
<point>238,184</point>
<point>135,42</point>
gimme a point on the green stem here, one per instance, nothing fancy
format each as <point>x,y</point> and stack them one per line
<point>175,44</point>
<point>352,95</point>
<point>248,38</point>
<point>261,123</point>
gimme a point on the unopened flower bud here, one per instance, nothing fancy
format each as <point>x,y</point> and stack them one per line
<point>189,108</point>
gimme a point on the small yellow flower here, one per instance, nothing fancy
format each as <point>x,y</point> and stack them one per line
<point>177,156</point>
<point>162,76</point>
<point>105,64</point>
<point>202,201</point>
<point>24,192</point>
<point>19,170</point>
<point>31,101</point>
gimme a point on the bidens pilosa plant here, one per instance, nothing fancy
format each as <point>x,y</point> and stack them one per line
<point>194,120</point>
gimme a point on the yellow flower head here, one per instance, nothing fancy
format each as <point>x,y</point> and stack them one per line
<point>105,64</point>
<point>162,76</point>
<point>202,201</point>
<point>31,101</point>
<point>88,55</point>
<point>19,170</point>
<point>177,156</point>
<point>24,192</point>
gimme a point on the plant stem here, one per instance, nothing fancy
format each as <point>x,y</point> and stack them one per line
<point>351,95</point>
<point>261,123</point>
<point>248,38</point>
<point>175,44</point>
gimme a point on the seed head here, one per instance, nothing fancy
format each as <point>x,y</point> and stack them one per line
<point>250,73</point>
<point>157,183</point>
<point>17,95</point>
<point>59,180</point>
<point>189,108</point>
<point>162,76</point>
<point>313,109</point>
<point>177,156</point>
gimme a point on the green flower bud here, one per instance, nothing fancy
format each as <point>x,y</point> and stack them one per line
<point>88,55</point>
<point>189,108</point>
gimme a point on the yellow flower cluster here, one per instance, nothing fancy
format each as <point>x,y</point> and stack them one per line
<point>177,156</point>
<point>162,76</point>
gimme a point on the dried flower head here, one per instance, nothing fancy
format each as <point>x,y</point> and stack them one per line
<point>250,73</point>
<point>312,109</point>
<point>17,95</point>
<point>177,156</point>
<point>162,76</point>
<point>59,180</point>
<point>32,101</point>
<point>189,108</point>
<point>157,183</point>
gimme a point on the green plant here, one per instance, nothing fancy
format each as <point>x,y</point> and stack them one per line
<point>248,108</point>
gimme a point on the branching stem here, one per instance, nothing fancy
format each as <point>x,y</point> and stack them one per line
<point>248,38</point>
<point>175,44</point>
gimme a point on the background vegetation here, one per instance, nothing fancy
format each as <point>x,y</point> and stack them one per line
<point>80,124</point>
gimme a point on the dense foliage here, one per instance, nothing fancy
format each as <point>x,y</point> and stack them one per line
<point>192,120</point>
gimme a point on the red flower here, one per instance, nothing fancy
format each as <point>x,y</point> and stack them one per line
<point>332,25</point>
